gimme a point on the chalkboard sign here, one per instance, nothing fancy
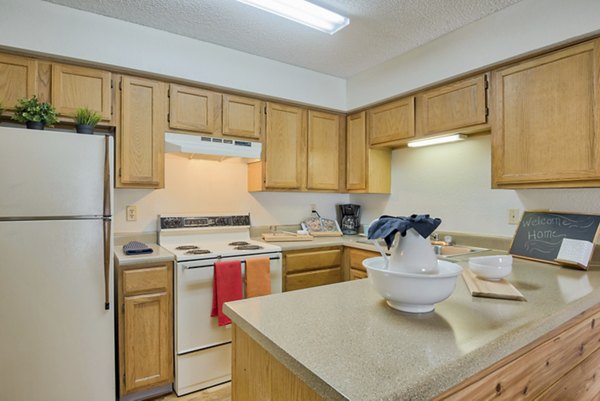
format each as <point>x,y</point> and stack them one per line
<point>540,234</point>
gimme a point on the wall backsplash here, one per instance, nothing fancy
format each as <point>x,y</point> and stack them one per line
<point>453,182</point>
<point>193,186</point>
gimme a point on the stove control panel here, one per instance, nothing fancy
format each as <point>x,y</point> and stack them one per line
<point>173,222</point>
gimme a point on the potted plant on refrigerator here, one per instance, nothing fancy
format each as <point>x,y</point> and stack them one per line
<point>34,114</point>
<point>86,120</point>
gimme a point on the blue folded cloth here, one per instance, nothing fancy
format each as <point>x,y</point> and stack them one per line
<point>386,227</point>
<point>136,248</point>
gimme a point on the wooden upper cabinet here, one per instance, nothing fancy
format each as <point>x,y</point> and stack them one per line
<point>456,106</point>
<point>284,147</point>
<point>242,117</point>
<point>73,87</point>
<point>194,109</point>
<point>367,170</point>
<point>17,79</point>
<point>356,152</point>
<point>325,146</point>
<point>141,138</point>
<point>546,120</point>
<point>391,123</point>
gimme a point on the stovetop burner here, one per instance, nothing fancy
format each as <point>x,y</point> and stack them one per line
<point>238,243</point>
<point>248,247</point>
<point>186,247</point>
<point>197,251</point>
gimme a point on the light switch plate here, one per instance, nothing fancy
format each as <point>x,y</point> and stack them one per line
<point>513,216</point>
<point>131,213</point>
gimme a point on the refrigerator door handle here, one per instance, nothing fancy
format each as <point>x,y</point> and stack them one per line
<point>106,241</point>
<point>107,184</point>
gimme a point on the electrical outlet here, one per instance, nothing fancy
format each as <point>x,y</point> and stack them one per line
<point>513,216</point>
<point>131,213</point>
<point>313,206</point>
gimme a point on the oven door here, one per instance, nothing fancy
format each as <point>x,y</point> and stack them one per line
<point>194,328</point>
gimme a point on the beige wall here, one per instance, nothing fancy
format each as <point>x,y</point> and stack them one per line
<point>200,186</point>
<point>453,182</point>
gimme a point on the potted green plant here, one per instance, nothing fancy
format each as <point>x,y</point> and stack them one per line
<point>34,114</point>
<point>86,120</point>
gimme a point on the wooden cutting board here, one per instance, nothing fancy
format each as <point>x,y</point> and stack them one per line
<point>500,289</point>
<point>326,233</point>
<point>284,237</point>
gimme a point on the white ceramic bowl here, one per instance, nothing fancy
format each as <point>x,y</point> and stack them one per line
<point>412,292</point>
<point>491,267</point>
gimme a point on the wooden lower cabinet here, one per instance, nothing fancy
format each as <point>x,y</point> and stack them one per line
<point>312,267</point>
<point>354,258</point>
<point>145,326</point>
<point>257,375</point>
<point>563,365</point>
<point>560,366</point>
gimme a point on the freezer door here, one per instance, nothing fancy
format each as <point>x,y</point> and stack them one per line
<point>46,173</point>
<point>56,338</point>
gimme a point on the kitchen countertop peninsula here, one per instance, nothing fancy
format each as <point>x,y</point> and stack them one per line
<point>345,343</point>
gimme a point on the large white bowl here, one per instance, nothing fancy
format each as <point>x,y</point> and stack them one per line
<point>412,292</point>
<point>492,267</point>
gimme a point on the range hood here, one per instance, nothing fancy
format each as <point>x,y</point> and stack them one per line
<point>206,147</point>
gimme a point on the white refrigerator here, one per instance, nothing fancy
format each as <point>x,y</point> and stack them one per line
<point>56,314</point>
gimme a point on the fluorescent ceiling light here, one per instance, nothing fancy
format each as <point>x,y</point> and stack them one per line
<point>436,141</point>
<point>303,12</point>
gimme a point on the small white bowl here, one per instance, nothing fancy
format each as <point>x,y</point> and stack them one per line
<point>412,292</point>
<point>491,267</point>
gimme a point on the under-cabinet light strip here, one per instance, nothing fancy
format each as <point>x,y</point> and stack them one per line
<point>303,12</point>
<point>436,141</point>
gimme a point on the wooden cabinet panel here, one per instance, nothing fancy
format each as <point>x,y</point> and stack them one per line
<point>17,79</point>
<point>356,152</point>
<point>194,109</point>
<point>528,376</point>
<point>392,123</point>
<point>356,274</point>
<point>312,267</point>
<point>358,255</point>
<point>73,87</point>
<point>149,279</point>
<point>580,384</point>
<point>367,170</point>
<point>547,120</point>
<point>285,147</point>
<point>257,375</point>
<point>312,259</point>
<point>456,106</point>
<point>141,138</point>
<point>324,151</point>
<point>313,278</point>
<point>242,117</point>
<point>145,326</point>
<point>147,341</point>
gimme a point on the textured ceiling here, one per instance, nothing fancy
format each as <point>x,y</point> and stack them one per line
<point>379,29</point>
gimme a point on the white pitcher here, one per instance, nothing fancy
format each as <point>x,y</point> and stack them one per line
<point>411,254</point>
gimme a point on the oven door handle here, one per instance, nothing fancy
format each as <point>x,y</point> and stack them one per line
<point>190,267</point>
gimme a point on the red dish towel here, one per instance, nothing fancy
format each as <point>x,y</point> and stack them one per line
<point>227,286</point>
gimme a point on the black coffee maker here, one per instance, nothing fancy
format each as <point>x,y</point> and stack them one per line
<point>349,218</point>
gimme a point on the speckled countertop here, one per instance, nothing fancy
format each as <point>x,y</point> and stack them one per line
<point>159,255</point>
<point>345,343</point>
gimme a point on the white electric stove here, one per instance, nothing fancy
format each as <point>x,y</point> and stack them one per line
<point>203,349</point>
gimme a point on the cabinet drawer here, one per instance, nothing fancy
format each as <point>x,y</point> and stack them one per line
<point>154,278</point>
<point>313,278</point>
<point>357,256</point>
<point>313,260</point>
<point>356,274</point>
